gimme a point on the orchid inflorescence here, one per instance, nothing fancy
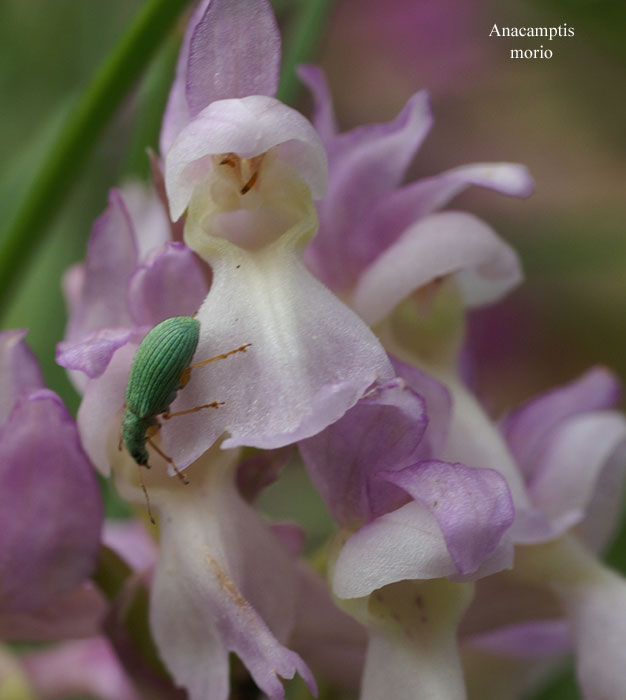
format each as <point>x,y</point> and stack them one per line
<point>464,560</point>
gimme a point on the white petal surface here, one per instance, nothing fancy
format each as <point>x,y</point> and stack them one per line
<point>404,544</point>
<point>569,468</point>
<point>412,651</point>
<point>310,359</point>
<point>222,583</point>
<point>485,267</point>
<point>102,404</point>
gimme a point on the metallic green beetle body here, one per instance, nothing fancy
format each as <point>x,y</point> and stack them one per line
<point>156,375</point>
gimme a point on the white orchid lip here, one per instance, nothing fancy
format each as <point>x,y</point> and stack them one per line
<point>248,127</point>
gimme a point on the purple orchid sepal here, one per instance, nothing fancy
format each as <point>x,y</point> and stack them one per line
<point>206,72</point>
<point>47,550</point>
<point>126,285</point>
<point>78,667</point>
<point>407,516</point>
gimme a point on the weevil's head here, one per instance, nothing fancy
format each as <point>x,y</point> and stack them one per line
<point>140,455</point>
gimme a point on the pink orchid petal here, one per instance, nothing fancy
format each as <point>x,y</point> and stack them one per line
<point>86,667</point>
<point>176,115</point>
<point>260,470</point>
<point>72,285</point>
<point>170,283</point>
<point>309,361</point>
<point>492,606</point>
<point>102,405</point>
<point>474,440</point>
<point>438,405</point>
<point>382,431</point>
<point>603,510</point>
<point>484,266</point>
<point>473,507</point>
<point>234,51</point>
<point>598,626</point>
<point>130,539</point>
<point>111,259</point>
<point>394,213</point>
<point>527,428</point>
<point>46,548</point>
<point>365,163</point>
<point>404,544</point>
<point>222,583</point>
<point>19,371</point>
<point>571,463</point>
<point>533,640</point>
<point>70,616</point>
<point>149,216</point>
<point>93,352</point>
<point>323,113</point>
<point>247,126</point>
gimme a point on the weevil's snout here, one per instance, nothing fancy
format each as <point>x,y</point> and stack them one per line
<point>141,457</point>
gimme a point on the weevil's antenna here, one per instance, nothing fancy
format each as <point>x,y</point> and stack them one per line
<point>214,404</point>
<point>223,356</point>
<point>169,460</point>
<point>145,493</point>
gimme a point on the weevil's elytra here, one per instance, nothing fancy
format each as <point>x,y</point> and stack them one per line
<point>163,356</point>
<point>161,367</point>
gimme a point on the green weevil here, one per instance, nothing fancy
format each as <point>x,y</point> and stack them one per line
<point>161,367</point>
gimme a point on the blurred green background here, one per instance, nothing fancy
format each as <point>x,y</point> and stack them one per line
<point>564,118</point>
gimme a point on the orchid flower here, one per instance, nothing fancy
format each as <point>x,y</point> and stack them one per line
<point>145,297</point>
<point>246,169</point>
<point>408,520</point>
<point>429,495</point>
<point>571,449</point>
<point>134,277</point>
<point>222,581</point>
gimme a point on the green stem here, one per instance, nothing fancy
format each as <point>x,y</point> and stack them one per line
<point>62,166</point>
<point>302,41</point>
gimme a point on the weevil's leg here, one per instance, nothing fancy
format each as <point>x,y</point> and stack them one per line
<point>145,493</point>
<point>224,355</point>
<point>214,404</point>
<point>185,377</point>
<point>152,430</point>
<point>169,460</point>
